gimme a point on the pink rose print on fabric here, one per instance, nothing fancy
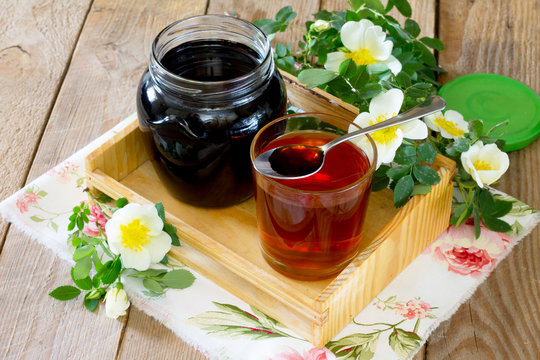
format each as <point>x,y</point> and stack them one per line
<point>22,205</point>
<point>414,308</point>
<point>96,220</point>
<point>464,255</point>
<point>26,199</point>
<point>312,354</point>
<point>64,171</point>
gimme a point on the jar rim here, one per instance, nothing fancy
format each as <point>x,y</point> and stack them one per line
<point>264,57</point>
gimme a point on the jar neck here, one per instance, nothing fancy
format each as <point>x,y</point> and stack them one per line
<point>238,90</point>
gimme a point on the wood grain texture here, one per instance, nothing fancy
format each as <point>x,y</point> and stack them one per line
<point>98,90</point>
<point>36,42</point>
<point>501,320</point>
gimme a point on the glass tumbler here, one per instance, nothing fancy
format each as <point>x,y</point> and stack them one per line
<point>311,228</point>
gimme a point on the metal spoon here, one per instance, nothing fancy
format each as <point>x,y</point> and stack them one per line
<point>296,161</point>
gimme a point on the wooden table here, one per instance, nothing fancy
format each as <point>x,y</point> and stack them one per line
<point>68,72</point>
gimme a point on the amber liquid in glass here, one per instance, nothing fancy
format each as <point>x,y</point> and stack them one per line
<point>315,229</point>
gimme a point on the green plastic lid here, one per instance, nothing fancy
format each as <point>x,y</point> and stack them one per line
<point>494,99</point>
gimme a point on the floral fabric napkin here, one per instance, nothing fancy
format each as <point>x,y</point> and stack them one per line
<point>393,326</point>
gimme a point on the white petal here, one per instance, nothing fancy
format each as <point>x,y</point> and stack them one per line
<point>415,129</point>
<point>430,121</point>
<point>333,60</point>
<point>114,234</point>
<point>158,246</point>
<point>387,104</point>
<point>387,152</point>
<point>353,34</point>
<point>374,42</point>
<point>393,64</point>
<point>150,218</point>
<point>138,260</point>
<point>363,120</point>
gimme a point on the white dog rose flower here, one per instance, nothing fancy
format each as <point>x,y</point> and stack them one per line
<point>485,163</point>
<point>450,124</point>
<point>116,302</point>
<point>136,233</point>
<point>367,45</point>
<point>382,107</point>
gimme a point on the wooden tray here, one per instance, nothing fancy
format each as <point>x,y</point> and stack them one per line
<point>223,244</point>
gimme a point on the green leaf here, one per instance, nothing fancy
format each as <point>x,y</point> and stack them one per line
<point>412,27</point>
<point>405,155</point>
<point>160,210</point>
<point>153,285</point>
<point>80,223</point>
<point>121,202</point>
<point>268,26</point>
<point>370,90</point>
<point>460,145</point>
<point>476,128</point>
<point>403,342</point>
<point>485,201</point>
<point>426,152</point>
<point>85,284</point>
<point>171,230</point>
<point>403,190</point>
<point>71,225</point>
<point>285,15</point>
<point>164,261</point>
<point>281,50</point>
<point>153,273</point>
<point>461,213</point>
<point>36,218</point>
<point>373,4</point>
<point>433,43</point>
<point>426,175</point>
<point>477,228</point>
<point>82,252</point>
<point>178,279</point>
<point>403,6</point>
<point>91,304</point>
<point>112,272</point>
<point>354,347</point>
<point>495,224</point>
<point>380,183</point>
<point>82,268</point>
<point>501,208</point>
<point>64,293</point>
<point>396,173</point>
<point>347,68</point>
<point>95,294</point>
<point>403,79</point>
<point>315,77</point>
<point>420,189</point>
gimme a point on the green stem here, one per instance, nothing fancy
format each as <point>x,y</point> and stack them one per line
<point>416,326</point>
<point>382,330</point>
<point>50,212</point>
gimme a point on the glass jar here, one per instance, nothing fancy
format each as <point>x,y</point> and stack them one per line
<point>210,86</point>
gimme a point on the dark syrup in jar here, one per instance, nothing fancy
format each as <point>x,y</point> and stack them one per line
<point>205,144</point>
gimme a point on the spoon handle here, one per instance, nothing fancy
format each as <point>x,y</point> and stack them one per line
<point>431,105</point>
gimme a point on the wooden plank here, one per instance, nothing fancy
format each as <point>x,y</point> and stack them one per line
<point>98,90</point>
<point>501,319</point>
<point>35,47</point>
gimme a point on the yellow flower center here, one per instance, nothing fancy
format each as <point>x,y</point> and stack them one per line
<point>361,57</point>
<point>482,165</point>
<point>384,136</point>
<point>134,235</point>
<point>449,127</point>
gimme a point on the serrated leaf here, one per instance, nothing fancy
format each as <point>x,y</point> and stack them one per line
<point>171,230</point>
<point>82,268</point>
<point>84,284</point>
<point>426,175</point>
<point>178,279</point>
<point>396,173</point>
<point>112,273</point>
<point>426,152</point>
<point>403,79</point>
<point>160,210</point>
<point>405,155</point>
<point>412,27</point>
<point>501,208</point>
<point>403,6</point>
<point>495,224</point>
<point>153,285</point>
<point>82,252</point>
<point>284,14</point>
<point>64,293</point>
<point>370,90</point>
<point>420,189</point>
<point>403,190</point>
<point>315,77</point>
<point>433,43</point>
<point>91,304</point>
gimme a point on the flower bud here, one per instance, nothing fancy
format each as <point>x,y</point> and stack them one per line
<point>320,25</point>
<point>116,302</point>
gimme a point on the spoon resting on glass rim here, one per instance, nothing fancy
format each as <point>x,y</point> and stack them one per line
<point>295,161</point>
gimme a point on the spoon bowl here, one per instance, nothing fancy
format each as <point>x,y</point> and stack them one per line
<point>296,161</point>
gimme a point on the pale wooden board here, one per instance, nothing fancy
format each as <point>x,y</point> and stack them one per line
<point>34,49</point>
<point>98,91</point>
<point>501,321</point>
